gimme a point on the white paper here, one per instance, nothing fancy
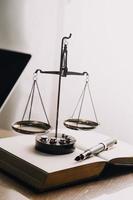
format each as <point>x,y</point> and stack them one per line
<point>24,148</point>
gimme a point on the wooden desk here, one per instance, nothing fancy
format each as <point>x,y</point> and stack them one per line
<point>10,189</point>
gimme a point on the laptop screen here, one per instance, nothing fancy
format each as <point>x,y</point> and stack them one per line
<point>12,64</point>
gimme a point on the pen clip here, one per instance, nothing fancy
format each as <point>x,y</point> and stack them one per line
<point>105,145</point>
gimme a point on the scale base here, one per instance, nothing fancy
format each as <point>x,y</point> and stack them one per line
<point>55,145</point>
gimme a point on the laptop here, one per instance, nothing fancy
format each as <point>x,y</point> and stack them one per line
<point>12,64</point>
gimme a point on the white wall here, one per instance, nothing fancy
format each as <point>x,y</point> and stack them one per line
<point>101,44</point>
<point>35,27</point>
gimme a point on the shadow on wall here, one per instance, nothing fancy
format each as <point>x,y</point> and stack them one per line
<point>11,37</point>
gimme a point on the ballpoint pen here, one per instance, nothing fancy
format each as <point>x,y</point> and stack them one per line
<point>102,146</point>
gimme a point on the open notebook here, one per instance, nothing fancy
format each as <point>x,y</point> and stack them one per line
<point>42,171</point>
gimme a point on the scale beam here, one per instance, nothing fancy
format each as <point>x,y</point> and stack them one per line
<point>58,73</point>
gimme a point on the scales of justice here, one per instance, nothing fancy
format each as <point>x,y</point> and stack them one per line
<point>57,143</point>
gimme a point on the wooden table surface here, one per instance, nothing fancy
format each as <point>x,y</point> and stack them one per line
<point>11,189</point>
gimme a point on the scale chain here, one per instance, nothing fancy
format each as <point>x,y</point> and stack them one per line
<point>32,98</point>
<point>33,85</point>
<point>82,101</point>
<point>42,102</point>
<point>94,110</point>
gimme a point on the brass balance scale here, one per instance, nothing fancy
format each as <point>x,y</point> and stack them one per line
<point>56,144</point>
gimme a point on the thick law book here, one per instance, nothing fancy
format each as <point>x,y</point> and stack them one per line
<point>19,158</point>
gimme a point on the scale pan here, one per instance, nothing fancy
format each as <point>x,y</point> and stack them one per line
<point>30,127</point>
<point>80,124</point>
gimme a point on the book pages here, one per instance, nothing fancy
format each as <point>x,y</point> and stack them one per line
<point>24,148</point>
<point>120,150</point>
<point>88,139</point>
